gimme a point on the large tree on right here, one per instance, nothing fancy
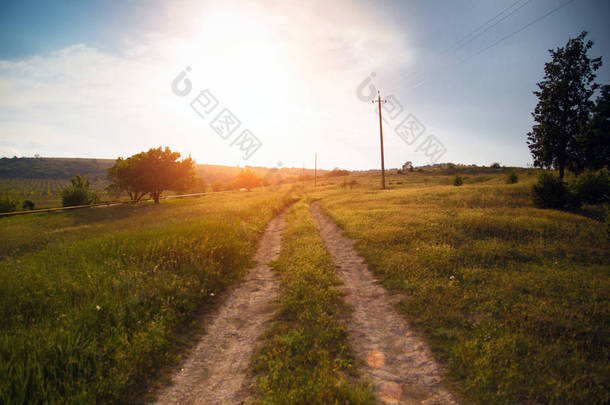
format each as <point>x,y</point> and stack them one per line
<point>564,106</point>
<point>594,139</point>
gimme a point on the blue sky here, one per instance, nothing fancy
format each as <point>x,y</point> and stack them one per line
<point>93,79</point>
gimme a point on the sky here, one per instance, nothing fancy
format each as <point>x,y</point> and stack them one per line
<point>273,82</point>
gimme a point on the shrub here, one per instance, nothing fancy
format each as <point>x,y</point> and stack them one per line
<point>592,187</point>
<point>78,192</point>
<point>496,165</point>
<point>7,204</point>
<point>551,192</point>
<point>27,205</point>
<point>512,177</point>
<point>336,172</point>
<point>458,180</point>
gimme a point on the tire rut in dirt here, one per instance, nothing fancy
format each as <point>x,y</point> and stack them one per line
<point>396,361</point>
<point>216,372</point>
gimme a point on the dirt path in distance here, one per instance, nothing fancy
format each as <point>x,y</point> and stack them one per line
<point>397,362</point>
<point>216,370</point>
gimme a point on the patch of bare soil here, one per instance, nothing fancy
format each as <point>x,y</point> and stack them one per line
<point>216,370</point>
<point>396,361</point>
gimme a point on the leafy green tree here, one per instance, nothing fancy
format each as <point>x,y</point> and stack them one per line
<point>78,193</point>
<point>594,140</point>
<point>123,176</point>
<point>151,172</point>
<point>564,105</point>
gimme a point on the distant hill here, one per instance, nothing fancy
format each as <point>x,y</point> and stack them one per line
<point>95,169</point>
<point>53,168</point>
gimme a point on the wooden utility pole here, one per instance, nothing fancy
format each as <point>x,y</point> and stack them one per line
<point>315,172</point>
<point>379,101</point>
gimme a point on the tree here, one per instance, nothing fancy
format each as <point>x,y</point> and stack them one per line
<point>563,105</point>
<point>77,193</point>
<point>594,139</point>
<point>247,179</point>
<point>124,176</point>
<point>151,172</point>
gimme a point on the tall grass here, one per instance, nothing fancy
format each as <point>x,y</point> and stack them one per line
<point>515,300</point>
<point>306,359</point>
<point>89,308</point>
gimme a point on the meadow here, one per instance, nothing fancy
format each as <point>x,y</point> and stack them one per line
<point>513,300</point>
<point>92,301</point>
<point>306,358</point>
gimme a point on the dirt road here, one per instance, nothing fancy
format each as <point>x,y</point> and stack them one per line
<point>216,371</point>
<point>397,362</point>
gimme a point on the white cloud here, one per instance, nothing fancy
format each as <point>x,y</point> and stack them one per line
<point>289,71</point>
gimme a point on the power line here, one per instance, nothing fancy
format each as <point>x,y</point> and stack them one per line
<point>485,23</point>
<point>502,39</point>
<point>496,23</point>
<point>460,43</point>
<point>519,30</point>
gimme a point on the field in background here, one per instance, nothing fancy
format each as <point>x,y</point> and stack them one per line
<point>90,300</point>
<point>41,180</point>
<point>45,193</point>
<point>514,300</point>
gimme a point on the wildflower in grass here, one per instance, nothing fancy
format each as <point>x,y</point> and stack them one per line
<point>97,307</point>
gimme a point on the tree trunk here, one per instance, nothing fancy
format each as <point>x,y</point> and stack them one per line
<point>561,171</point>
<point>156,196</point>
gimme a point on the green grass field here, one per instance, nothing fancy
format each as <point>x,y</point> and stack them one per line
<point>306,358</point>
<point>91,301</point>
<point>513,299</point>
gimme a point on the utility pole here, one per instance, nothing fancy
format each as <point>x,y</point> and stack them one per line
<point>315,172</point>
<point>379,101</point>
